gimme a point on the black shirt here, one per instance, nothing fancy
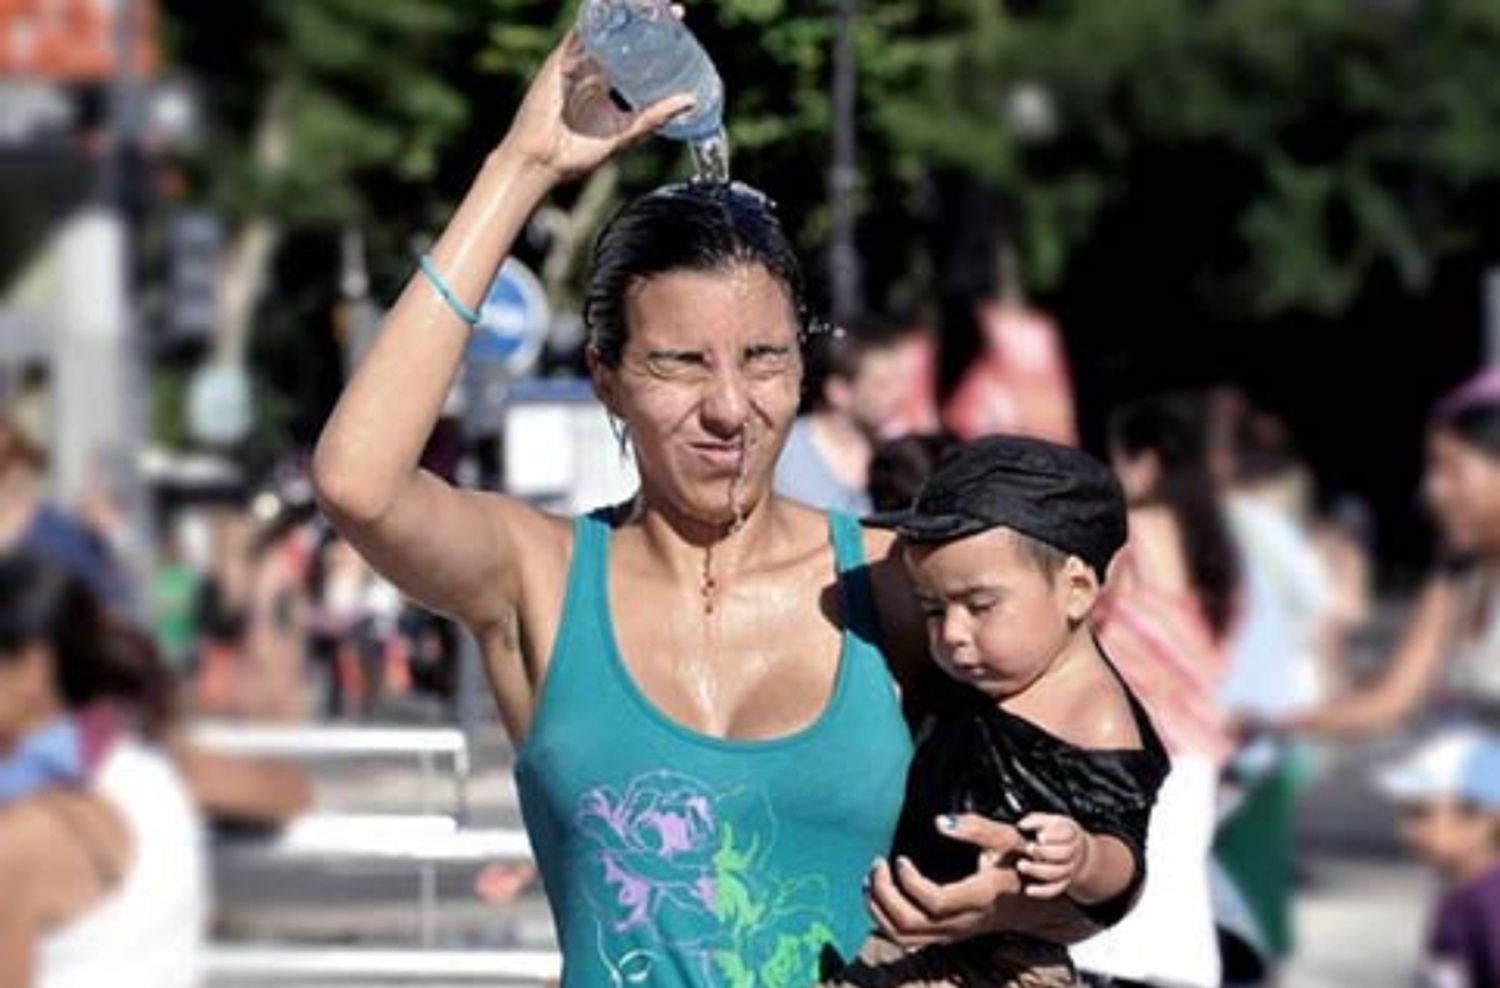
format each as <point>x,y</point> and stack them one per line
<point>975,757</point>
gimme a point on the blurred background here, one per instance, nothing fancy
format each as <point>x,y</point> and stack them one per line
<point>1044,211</point>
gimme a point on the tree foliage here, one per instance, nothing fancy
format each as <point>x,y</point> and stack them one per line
<point>1344,141</point>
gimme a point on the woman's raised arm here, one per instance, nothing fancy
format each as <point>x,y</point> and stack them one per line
<point>452,550</point>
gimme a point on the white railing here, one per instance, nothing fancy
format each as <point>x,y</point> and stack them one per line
<point>272,963</point>
<point>315,743</point>
<point>388,837</point>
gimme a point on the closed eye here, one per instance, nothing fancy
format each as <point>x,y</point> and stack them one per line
<point>676,363</point>
<point>981,603</point>
<point>768,359</point>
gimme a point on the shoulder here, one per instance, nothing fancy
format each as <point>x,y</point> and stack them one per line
<point>1459,919</point>
<point>1097,714</point>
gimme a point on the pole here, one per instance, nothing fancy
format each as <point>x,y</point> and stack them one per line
<point>1492,316</point>
<point>128,121</point>
<point>843,179</point>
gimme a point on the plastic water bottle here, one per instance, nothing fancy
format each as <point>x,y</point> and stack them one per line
<point>650,55</point>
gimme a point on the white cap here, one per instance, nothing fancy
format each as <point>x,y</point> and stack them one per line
<point>1458,763</point>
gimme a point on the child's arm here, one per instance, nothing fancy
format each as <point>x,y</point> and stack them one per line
<point>1061,858</point>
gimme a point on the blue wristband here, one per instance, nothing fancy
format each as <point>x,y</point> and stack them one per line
<point>455,303</point>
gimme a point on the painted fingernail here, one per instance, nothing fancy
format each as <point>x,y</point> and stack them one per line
<point>947,822</point>
<point>904,863</point>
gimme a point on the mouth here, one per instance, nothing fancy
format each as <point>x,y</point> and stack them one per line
<point>968,673</point>
<point>720,457</point>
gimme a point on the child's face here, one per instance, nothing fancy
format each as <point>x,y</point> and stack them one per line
<point>995,618</point>
<point>1449,835</point>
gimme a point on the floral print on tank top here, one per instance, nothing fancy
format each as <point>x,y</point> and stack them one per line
<point>681,869</point>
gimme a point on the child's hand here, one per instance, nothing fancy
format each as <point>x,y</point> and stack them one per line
<point>1055,854</point>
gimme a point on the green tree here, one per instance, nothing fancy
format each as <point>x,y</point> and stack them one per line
<point>1344,142</point>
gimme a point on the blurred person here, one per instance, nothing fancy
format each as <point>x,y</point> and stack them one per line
<point>101,851</point>
<point>1448,792</point>
<point>30,407</point>
<point>1008,545</point>
<point>917,411</point>
<point>1278,651</point>
<point>690,676</point>
<point>859,386</point>
<point>1346,539</point>
<point>1165,623</point>
<point>177,593</point>
<point>1020,383</point>
<point>355,620</point>
<point>900,467</point>
<point>223,606</point>
<point>272,670</point>
<point>1448,660</point>
<point>30,522</point>
<point>1289,622</point>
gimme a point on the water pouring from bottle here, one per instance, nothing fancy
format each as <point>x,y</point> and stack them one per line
<point>649,55</point>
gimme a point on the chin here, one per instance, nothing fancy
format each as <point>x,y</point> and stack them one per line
<point>713,508</point>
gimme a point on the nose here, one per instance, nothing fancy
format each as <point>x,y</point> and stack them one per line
<point>954,632</point>
<point>725,408</point>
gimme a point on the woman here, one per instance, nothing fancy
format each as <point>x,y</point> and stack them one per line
<point>710,748</point>
<point>1448,660</point>
<point>100,845</point>
<point>1164,622</point>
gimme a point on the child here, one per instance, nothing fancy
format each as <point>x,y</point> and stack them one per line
<point>1449,794</point>
<point>1007,547</point>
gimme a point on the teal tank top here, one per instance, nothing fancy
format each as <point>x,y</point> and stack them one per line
<point>672,858</point>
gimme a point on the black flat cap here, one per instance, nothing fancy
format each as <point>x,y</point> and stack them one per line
<point>1055,494</point>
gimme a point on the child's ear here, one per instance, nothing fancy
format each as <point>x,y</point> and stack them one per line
<point>1080,589</point>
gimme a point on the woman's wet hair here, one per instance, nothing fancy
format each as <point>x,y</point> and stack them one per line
<point>696,226</point>
<point>96,656</point>
<point>1175,428</point>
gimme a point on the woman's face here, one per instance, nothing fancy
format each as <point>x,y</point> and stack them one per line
<point>708,385</point>
<point>1462,487</point>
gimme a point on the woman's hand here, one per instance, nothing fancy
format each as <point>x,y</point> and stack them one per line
<point>568,125</point>
<point>914,911</point>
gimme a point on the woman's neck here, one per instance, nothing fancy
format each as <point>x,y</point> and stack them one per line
<point>705,554</point>
<point>679,542</point>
